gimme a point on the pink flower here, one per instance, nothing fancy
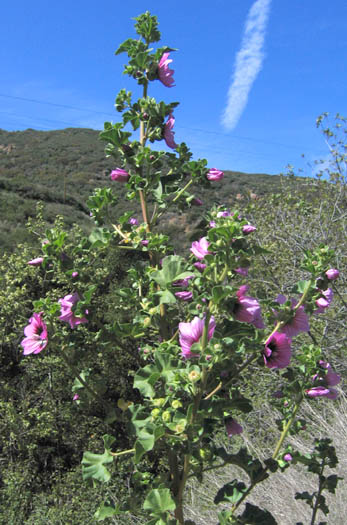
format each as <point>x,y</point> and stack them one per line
<point>36,262</point>
<point>322,391</point>
<point>331,378</point>
<point>212,224</point>
<point>200,248</point>
<point>248,228</point>
<point>145,242</point>
<point>200,266</point>
<point>298,323</point>
<point>247,309</point>
<point>277,351</point>
<point>120,175</point>
<point>191,333</point>
<point>326,381</point>
<point>233,427</point>
<point>164,72</point>
<point>214,174</point>
<point>183,282</point>
<point>67,313</point>
<point>242,271</point>
<point>197,202</point>
<point>332,274</point>
<point>288,457</point>
<point>75,397</point>
<point>224,214</point>
<point>324,301</point>
<point>36,335</point>
<point>133,221</point>
<point>74,274</point>
<point>184,296</point>
<point>168,133</point>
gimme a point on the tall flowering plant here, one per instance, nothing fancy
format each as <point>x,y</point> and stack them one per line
<point>197,343</point>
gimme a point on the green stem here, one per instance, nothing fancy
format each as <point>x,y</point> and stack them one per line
<point>115,454</point>
<point>237,373</point>
<point>286,429</point>
<point>182,190</point>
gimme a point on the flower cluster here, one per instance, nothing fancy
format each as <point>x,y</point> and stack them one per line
<point>327,379</point>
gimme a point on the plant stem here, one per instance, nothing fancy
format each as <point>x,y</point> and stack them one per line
<point>286,428</point>
<point>130,451</point>
<point>320,490</point>
<point>237,373</point>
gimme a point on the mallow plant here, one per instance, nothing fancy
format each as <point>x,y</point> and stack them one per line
<point>194,320</point>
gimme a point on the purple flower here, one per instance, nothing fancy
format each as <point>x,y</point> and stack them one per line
<point>331,378</point>
<point>120,175</point>
<point>298,323</point>
<point>326,381</point>
<point>168,133</point>
<point>225,213</point>
<point>197,202</point>
<point>248,228</point>
<point>67,314</point>
<point>35,335</point>
<point>322,391</point>
<point>164,72</point>
<point>277,351</point>
<point>184,296</point>
<point>75,397</point>
<point>247,309</point>
<point>332,274</point>
<point>191,333</point>
<point>200,248</point>
<point>144,242</point>
<point>212,224</point>
<point>324,301</point>
<point>242,271</point>
<point>133,221</point>
<point>183,282</point>
<point>36,262</point>
<point>74,274</point>
<point>200,266</point>
<point>233,427</point>
<point>288,457</point>
<point>214,174</point>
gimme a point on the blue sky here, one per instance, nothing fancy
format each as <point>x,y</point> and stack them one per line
<point>61,54</point>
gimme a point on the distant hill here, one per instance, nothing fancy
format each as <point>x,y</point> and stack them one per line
<point>62,167</point>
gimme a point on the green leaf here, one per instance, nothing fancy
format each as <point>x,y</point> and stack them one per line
<point>107,511</point>
<point>159,501</point>
<point>301,286</point>
<point>146,438</point>
<point>145,379</point>
<point>231,492</point>
<point>93,464</point>
<point>172,270</point>
<point>166,297</point>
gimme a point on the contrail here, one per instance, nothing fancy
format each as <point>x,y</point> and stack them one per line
<point>248,62</point>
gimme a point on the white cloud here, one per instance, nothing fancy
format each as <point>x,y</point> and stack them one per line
<point>248,63</point>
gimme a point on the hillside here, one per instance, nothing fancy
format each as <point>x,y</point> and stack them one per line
<point>61,168</point>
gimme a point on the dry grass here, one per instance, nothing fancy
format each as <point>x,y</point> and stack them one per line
<point>328,419</point>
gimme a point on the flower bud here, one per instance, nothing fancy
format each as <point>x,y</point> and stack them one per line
<point>166,416</point>
<point>155,412</point>
<point>194,376</point>
<point>176,404</point>
<point>159,402</point>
